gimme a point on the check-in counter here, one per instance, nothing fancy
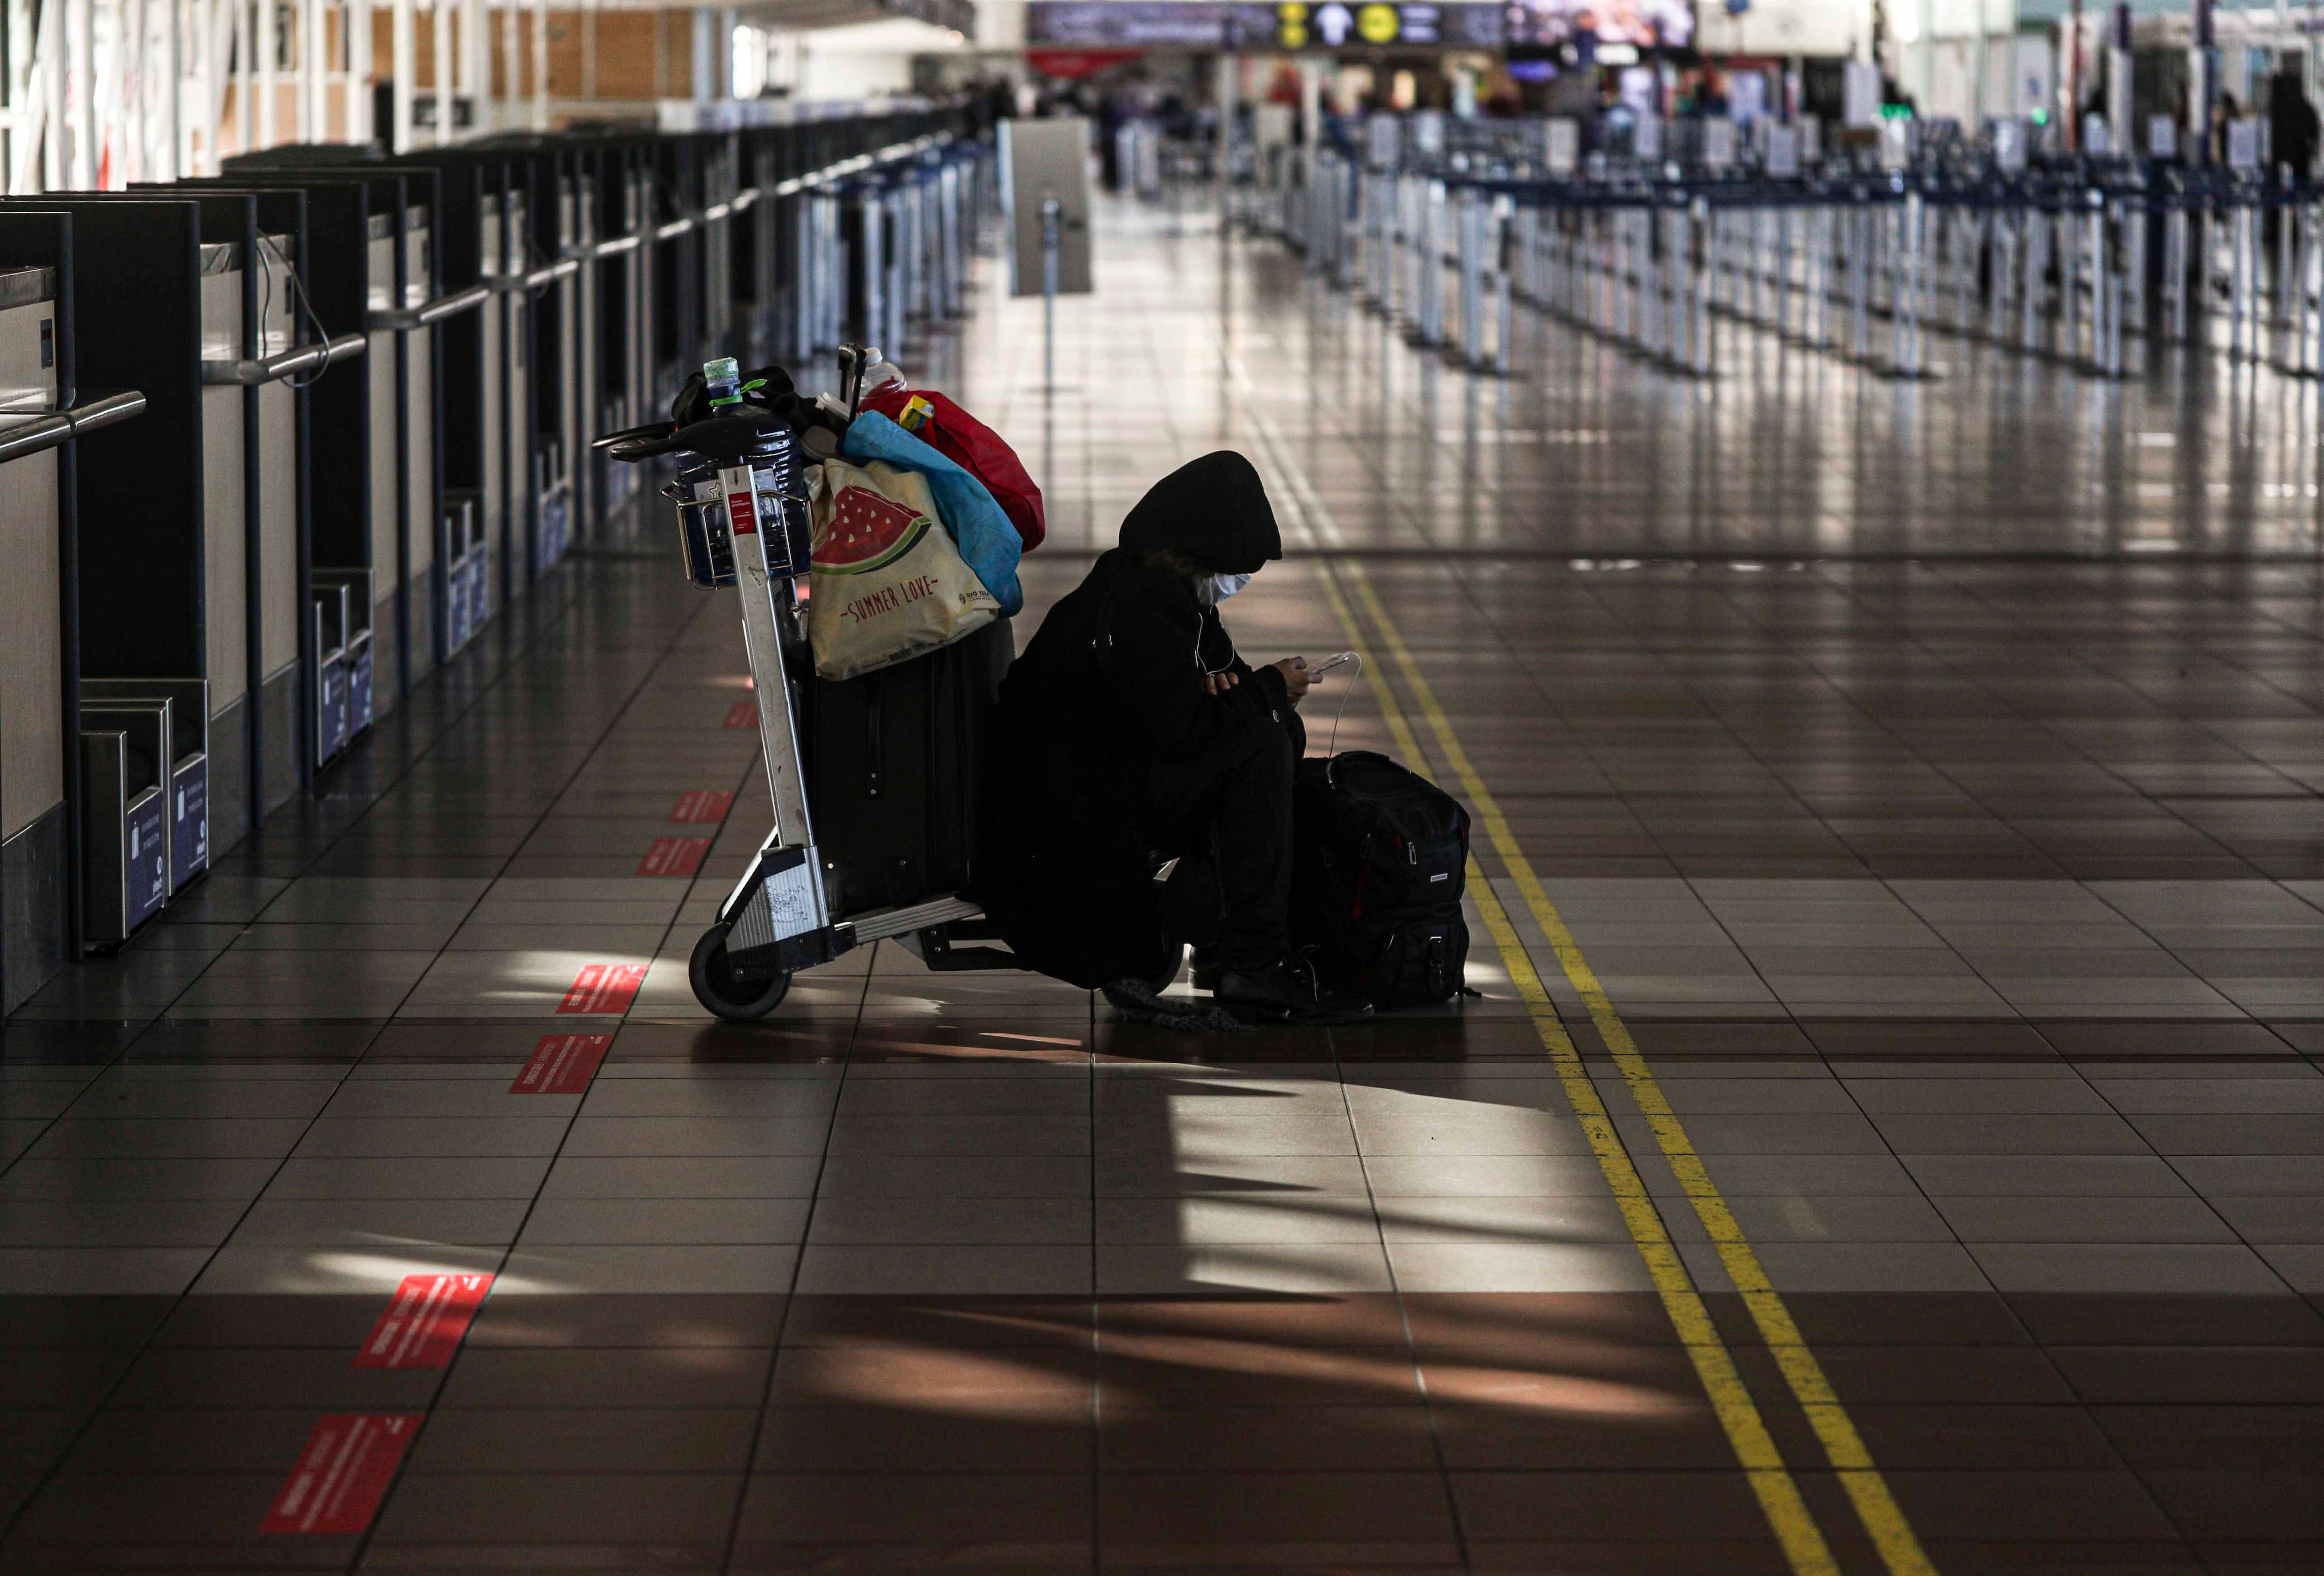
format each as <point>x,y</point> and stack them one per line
<point>616,173</point>
<point>544,287</point>
<point>46,412</point>
<point>167,553</point>
<point>757,265</point>
<point>124,755</point>
<point>34,832</point>
<point>353,440</point>
<point>405,318</point>
<point>486,491</point>
<point>318,442</point>
<point>264,234</point>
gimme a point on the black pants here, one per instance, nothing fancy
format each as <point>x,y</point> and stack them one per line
<point>1226,815</point>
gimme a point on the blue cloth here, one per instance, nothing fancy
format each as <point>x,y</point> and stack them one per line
<point>989,544</point>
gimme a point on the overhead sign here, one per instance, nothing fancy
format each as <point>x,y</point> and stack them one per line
<point>1292,24</point>
<point>1536,25</point>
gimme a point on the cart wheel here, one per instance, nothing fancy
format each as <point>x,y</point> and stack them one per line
<point>1162,979</point>
<point>718,989</point>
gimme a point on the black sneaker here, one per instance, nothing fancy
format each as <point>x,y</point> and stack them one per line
<point>1287,991</point>
<point>1207,968</point>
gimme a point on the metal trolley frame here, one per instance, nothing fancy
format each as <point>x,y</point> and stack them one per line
<point>743,522</point>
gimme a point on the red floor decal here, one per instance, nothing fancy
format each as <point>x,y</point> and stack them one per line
<point>562,1063</point>
<point>343,1473</point>
<point>743,714</point>
<point>603,988</point>
<point>674,856</point>
<point>702,805</point>
<point>423,1325</point>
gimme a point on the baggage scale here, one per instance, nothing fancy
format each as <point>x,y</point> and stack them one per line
<point>741,507</point>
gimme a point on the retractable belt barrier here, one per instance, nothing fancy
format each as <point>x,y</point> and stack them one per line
<point>1439,226</point>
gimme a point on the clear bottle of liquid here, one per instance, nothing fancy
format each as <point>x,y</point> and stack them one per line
<point>724,378</point>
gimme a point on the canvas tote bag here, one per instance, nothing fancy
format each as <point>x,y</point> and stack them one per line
<point>888,585</point>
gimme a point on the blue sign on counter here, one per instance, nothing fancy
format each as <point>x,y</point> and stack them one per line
<point>189,819</point>
<point>145,867</point>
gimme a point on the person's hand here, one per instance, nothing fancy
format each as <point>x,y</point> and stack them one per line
<point>1221,682</point>
<point>1295,678</point>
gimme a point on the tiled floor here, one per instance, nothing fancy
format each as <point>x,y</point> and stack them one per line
<point>1884,936</point>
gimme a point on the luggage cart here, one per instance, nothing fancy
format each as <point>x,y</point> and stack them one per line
<point>742,521</point>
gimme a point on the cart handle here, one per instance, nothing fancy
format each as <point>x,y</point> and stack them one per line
<point>728,439</point>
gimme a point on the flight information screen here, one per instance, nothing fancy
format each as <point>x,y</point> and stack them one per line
<point>1537,24</point>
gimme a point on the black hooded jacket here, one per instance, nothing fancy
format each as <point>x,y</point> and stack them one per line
<point>1112,683</point>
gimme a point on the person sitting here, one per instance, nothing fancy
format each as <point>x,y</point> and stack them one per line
<point>1131,732</point>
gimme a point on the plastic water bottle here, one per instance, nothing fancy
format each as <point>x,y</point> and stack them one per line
<point>725,380</point>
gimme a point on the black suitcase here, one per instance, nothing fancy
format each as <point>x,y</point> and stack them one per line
<point>1379,862</point>
<point>895,771</point>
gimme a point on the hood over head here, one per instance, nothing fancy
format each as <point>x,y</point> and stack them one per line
<point>1212,510</point>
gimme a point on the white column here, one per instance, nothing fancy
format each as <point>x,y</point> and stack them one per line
<point>402,64</point>
<point>504,110</point>
<point>314,65</point>
<point>270,45</point>
<point>173,92</point>
<point>475,66</point>
<point>80,84</point>
<point>442,18</point>
<point>362,72</point>
<point>53,172</point>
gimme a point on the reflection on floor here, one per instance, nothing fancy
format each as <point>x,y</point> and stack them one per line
<point>1898,975</point>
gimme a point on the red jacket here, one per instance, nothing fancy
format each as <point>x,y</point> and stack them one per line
<point>971,445</point>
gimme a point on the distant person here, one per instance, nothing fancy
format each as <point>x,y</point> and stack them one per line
<point>2292,127</point>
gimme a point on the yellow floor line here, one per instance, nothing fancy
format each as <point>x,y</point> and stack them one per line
<point>1762,1465</point>
<point>1876,1507</point>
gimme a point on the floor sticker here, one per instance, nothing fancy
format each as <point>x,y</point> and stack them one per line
<point>562,1063</point>
<point>702,805</point>
<point>674,856</point>
<point>343,1473</point>
<point>603,988</point>
<point>422,1326</point>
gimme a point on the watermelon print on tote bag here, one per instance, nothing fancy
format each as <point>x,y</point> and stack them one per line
<point>888,585</point>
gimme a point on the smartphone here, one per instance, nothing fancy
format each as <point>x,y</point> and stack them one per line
<point>1328,663</point>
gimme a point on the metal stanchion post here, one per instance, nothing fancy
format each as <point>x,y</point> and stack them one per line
<point>2174,273</point>
<point>2070,281</point>
<point>2111,271</point>
<point>2033,266</point>
<point>1429,259</point>
<point>1783,270</point>
<point>2239,287</point>
<point>2279,293</point>
<point>1471,244</point>
<point>1860,281</point>
<point>1051,213</point>
<point>1906,308</point>
<point>1707,229</point>
<point>2303,256</point>
<point>2004,240</point>
<point>1504,239</point>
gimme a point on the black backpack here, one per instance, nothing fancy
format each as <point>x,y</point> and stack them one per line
<point>1380,861</point>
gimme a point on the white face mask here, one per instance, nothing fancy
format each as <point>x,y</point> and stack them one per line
<point>1212,589</point>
